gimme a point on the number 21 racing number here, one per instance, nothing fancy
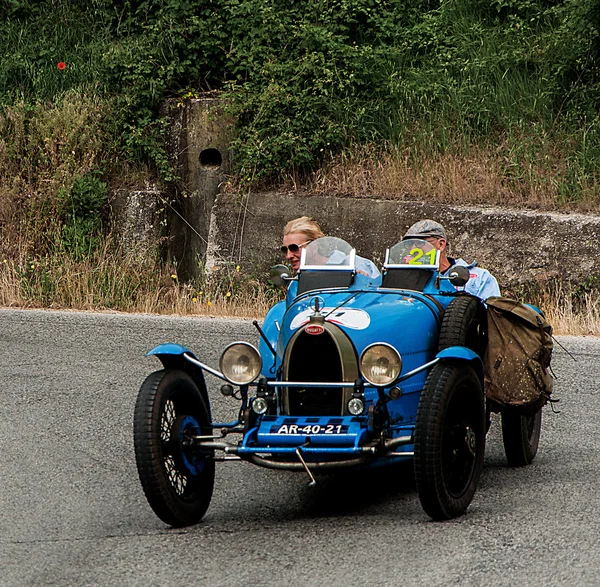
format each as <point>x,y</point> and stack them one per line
<point>419,257</point>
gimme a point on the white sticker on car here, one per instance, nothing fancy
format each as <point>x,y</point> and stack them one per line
<point>347,317</point>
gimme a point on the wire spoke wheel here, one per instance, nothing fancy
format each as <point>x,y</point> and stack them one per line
<point>449,440</point>
<point>177,479</point>
<point>176,476</point>
<point>167,421</point>
<point>172,450</point>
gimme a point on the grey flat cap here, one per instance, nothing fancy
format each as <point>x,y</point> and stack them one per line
<point>425,228</point>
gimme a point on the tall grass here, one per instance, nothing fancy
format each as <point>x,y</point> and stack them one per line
<point>36,38</point>
<point>43,149</point>
<point>525,168</point>
<point>566,319</point>
<point>110,279</point>
<point>462,102</point>
<point>571,312</point>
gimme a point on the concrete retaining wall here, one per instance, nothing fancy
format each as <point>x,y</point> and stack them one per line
<point>517,246</point>
<point>204,226</point>
<point>139,220</point>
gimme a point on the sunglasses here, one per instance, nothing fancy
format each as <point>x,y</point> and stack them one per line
<point>293,248</point>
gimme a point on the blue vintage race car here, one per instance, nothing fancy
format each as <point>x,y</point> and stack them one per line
<point>351,371</point>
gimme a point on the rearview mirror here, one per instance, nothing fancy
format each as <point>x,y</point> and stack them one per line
<point>459,275</point>
<point>280,275</point>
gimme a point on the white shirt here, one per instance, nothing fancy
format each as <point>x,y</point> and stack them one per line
<point>481,284</point>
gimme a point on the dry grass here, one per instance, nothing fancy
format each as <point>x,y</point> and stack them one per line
<point>112,282</point>
<point>478,176</point>
<point>109,280</point>
<point>570,318</point>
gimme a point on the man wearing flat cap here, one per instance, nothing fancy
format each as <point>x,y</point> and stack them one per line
<point>481,284</point>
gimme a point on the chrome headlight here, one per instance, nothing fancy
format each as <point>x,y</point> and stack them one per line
<point>380,364</point>
<point>260,405</point>
<point>240,363</point>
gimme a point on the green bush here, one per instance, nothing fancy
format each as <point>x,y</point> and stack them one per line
<point>307,80</point>
<point>80,210</point>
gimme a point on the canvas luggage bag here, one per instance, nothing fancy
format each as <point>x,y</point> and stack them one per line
<point>517,358</point>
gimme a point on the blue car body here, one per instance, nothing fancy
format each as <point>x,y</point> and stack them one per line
<point>356,316</point>
<point>350,371</point>
<point>407,320</point>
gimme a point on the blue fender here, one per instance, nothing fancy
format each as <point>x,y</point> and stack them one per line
<point>168,348</point>
<point>535,308</point>
<point>171,356</point>
<point>462,354</point>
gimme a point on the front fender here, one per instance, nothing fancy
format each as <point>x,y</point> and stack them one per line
<point>168,348</point>
<point>462,353</point>
<point>171,356</point>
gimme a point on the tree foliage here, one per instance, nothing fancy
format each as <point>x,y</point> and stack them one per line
<point>307,79</point>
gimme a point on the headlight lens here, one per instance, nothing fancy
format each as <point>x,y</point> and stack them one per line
<point>240,363</point>
<point>380,364</point>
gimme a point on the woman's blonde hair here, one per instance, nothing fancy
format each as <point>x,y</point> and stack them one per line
<point>306,225</point>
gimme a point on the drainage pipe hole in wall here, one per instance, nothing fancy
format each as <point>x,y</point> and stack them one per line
<point>211,158</point>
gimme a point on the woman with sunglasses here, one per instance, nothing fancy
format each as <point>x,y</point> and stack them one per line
<point>299,232</point>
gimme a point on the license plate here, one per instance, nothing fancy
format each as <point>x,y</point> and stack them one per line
<point>311,429</point>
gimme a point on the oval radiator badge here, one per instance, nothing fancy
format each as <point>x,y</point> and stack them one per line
<point>314,329</point>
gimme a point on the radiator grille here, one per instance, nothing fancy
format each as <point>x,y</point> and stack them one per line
<point>326,357</point>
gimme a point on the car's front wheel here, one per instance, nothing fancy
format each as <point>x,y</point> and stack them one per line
<point>176,477</point>
<point>449,440</point>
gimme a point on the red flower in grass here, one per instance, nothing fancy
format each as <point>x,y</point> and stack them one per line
<point>61,65</point>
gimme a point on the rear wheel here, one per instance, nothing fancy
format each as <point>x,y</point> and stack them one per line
<point>177,478</point>
<point>449,440</point>
<point>521,437</point>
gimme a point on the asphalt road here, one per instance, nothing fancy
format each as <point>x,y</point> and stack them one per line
<point>73,512</point>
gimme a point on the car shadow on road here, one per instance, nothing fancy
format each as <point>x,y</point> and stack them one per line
<point>352,492</point>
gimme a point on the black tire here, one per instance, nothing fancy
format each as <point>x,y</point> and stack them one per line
<point>449,440</point>
<point>464,324</point>
<point>521,437</point>
<point>177,480</point>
